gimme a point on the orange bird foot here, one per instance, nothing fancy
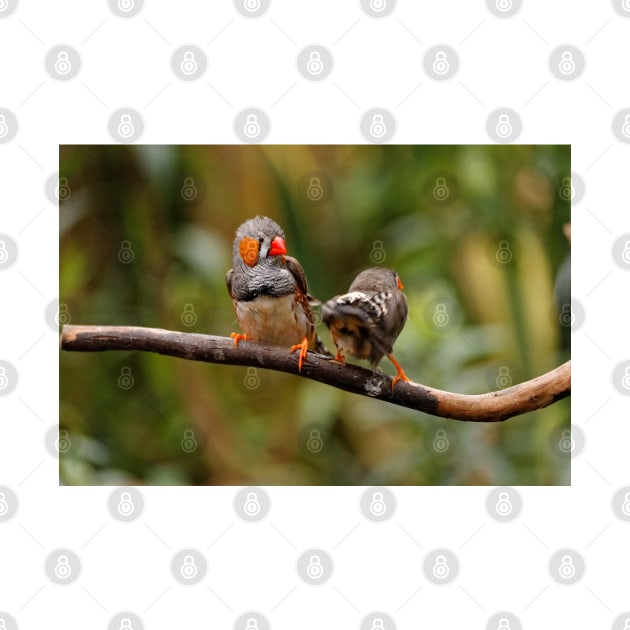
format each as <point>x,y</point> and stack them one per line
<point>238,337</point>
<point>400,376</point>
<point>303,348</point>
<point>340,357</point>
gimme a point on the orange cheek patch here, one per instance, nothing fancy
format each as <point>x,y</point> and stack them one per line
<point>248,249</point>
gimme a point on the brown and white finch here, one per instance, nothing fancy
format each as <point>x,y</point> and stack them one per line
<point>366,321</point>
<point>269,290</point>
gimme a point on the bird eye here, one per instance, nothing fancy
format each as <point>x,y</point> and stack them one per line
<point>261,239</point>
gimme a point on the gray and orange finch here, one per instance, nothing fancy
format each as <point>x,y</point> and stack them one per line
<point>269,290</point>
<point>366,321</point>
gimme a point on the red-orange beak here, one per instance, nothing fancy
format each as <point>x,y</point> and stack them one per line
<point>399,283</point>
<point>278,247</point>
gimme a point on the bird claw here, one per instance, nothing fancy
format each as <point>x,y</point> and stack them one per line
<point>399,378</point>
<point>238,337</point>
<point>303,348</point>
<point>400,373</point>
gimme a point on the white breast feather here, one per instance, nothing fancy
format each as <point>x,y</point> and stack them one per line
<point>272,320</point>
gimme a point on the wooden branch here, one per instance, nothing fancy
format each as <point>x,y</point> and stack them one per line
<point>492,407</point>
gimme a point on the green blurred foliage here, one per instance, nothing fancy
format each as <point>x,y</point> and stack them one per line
<point>474,231</point>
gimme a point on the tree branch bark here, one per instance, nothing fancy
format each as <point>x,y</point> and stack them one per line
<point>492,407</point>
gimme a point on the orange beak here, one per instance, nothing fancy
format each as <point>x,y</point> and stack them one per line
<point>399,283</point>
<point>278,247</point>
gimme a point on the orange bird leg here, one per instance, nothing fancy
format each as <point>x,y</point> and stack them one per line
<point>238,337</point>
<point>303,348</point>
<point>340,356</point>
<point>400,376</point>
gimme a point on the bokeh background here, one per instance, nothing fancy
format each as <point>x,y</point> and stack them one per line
<point>477,233</point>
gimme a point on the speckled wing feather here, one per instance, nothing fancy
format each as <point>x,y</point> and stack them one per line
<point>298,273</point>
<point>228,280</point>
<point>372,306</point>
<point>354,315</point>
<point>366,321</point>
